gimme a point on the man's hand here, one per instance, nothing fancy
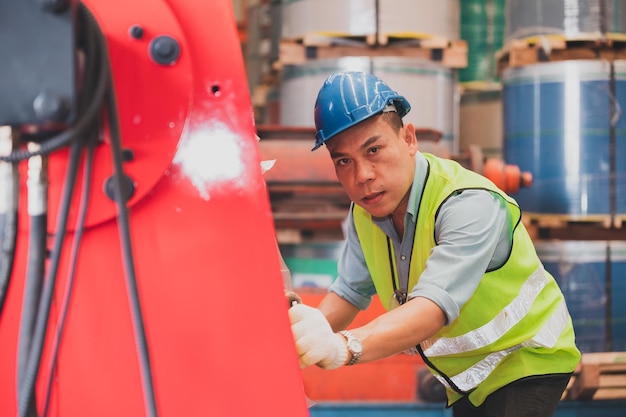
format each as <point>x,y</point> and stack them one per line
<point>316,342</point>
<point>292,298</point>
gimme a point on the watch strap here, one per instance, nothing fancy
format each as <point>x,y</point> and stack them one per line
<point>350,338</point>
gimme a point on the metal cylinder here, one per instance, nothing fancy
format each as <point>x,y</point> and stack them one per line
<point>419,18</point>
<point>570,18</point>
<point>429,87</point>
<point>557,126</point>
<point>328,17</point>
<point>410,18</point>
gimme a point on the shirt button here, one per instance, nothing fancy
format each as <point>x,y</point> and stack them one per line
<point>403,257</point>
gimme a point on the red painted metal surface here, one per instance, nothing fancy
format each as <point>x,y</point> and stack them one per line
<point>203,240</point>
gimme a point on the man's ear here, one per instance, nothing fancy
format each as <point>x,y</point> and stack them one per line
<point>409,137</point>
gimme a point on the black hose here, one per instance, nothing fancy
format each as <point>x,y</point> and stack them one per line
<point>29,377</point>
<point>127,252</point>
<point>32,294</point>
<point>32,287</point>
<point>125,238</point>
<point>80,224</point>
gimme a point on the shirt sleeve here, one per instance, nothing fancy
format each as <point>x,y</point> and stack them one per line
<point>354,282</point>
<point>472,233</point>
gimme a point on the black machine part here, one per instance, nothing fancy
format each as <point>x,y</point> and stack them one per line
<point>38,72</point>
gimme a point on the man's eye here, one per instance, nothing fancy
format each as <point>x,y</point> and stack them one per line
<point>342,161</point>
<point>373,150</point>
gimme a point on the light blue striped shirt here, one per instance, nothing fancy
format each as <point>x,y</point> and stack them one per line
<point>473,234</point>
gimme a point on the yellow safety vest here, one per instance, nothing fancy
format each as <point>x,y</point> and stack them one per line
<point>516,323</point>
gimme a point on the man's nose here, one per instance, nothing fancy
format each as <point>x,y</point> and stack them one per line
<point>364,173</point>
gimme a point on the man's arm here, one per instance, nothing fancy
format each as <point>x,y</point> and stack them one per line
<point>400,329</point>
<point>338,311</point>
<point>390,333</point>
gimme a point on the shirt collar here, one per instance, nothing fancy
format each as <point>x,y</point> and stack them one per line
<point>415,196</point>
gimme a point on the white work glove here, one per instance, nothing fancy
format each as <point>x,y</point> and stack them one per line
<point>316,342</point>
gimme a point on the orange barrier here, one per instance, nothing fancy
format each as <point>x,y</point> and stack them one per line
<point>390,379</point>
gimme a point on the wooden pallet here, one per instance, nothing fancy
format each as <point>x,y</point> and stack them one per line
<point>451,54</point>
<point>520,52</point>
<point>547,220</point>
<point>561,226</point>
<point>599,376</point>
<point>480,86</point>
<point>424,40</point>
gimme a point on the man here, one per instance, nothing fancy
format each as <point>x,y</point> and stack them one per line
<point>449,258</point>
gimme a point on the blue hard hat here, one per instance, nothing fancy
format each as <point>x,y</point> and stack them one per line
<point>348,98</point>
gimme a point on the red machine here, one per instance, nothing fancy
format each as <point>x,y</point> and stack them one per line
<point>159,291</point>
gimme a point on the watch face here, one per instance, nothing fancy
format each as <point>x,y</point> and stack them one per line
<point>355,346</point>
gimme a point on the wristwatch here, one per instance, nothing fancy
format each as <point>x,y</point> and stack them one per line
<point>354,347</point>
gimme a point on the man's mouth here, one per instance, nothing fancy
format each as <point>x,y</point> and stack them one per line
<point>372,198</point>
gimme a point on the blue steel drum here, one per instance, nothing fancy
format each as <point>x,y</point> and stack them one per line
<point>557,119</point>
<point>620,137</point>
<point>618,296</point>
<point>579,268</point>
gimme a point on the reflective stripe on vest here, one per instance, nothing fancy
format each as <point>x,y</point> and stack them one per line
<point>494,329</point>
<point>547,337</point>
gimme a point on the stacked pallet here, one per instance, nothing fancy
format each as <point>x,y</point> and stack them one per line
<point>599,376</point>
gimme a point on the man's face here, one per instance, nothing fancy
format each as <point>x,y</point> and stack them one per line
<point>375,165</point>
